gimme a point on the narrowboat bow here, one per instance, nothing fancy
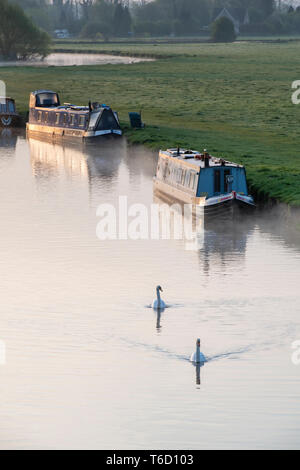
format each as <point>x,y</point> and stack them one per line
<point>46,115</point>
<point>202,180</point>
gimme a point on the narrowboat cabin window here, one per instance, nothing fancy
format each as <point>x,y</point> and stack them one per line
<point>65,119</point>
<point>179,175</point>
<point>72,119</point>
<point>8,107</point>
<point>57,118</point>
<point>187,179</point>
<point>192,180</point>
<point>47,100</point>
<point>46,115</point>
<point>82,121</point>
<point>227,174</point>
<point>173,176</point>
<point>11,107</point>
<point>183,177</point>
<point>165,170</point>
<point>40,116</point>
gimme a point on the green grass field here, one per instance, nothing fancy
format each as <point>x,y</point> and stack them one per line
<point>234,99</point>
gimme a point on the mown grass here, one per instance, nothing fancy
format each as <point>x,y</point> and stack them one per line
<point>234,99</point>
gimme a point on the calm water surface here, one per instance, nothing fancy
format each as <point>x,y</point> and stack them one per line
<point>88,366</point>
<point>68,59</point>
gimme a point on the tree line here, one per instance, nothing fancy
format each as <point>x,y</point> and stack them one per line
<point>113,18</point>
<point>25,24</point>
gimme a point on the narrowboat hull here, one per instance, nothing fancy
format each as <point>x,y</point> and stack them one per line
<point>217,207</point>
<point>37,130</point>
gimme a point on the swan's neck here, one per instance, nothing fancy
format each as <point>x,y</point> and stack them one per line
<point>158,297</point>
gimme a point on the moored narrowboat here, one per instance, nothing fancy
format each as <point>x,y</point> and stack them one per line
<point>202,180</point>
<point>8,113</point>
<point>48,116</point>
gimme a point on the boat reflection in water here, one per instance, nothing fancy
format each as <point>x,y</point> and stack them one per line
<point>214,239</point>
<point>8,142</point>
<point>225,241</point>
<point>80,161</point>
<point>8,138</point>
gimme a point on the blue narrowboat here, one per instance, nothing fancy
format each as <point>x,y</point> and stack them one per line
<point>48,116</point>
<point>201,179</point>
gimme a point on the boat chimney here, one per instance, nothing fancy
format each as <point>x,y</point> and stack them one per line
<point>206,158</point>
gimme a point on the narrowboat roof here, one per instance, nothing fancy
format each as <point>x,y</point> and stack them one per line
<point>66,106</point>
<point>74,108</point>
<point>71,107</point>
<point>37,92</point>
<point>193,157</point>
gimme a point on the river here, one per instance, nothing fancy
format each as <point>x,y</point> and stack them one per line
<point>63,59</point>
<point>88,365</point>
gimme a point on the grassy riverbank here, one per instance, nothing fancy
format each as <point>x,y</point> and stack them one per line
<point>234,99</point>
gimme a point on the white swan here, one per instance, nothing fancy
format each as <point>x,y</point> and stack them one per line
<point>158,303</point>
<point>197,357</point>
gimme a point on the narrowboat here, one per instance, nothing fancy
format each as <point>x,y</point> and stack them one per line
<point>202,180</point>
<point>48,116</point>
<point>8,113</point>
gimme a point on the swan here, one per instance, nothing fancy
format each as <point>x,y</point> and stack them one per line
<point>158,303</point>
<point>197,357</point>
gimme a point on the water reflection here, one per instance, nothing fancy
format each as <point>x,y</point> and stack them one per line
<point>76,297</point>
<point>61,59</point>
<point>8,138</point>
<point>98,164</point>
<point>224,242</point>
<point>158,319</point>
<point>8,142</point>
<point>95,164</point>
<point>216,241</point>
<point>49,160</point>
<point>198,378</point>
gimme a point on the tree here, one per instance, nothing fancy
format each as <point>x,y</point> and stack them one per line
<point>121,20</point>
<point>223,30</point>
<point>19,37</point>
